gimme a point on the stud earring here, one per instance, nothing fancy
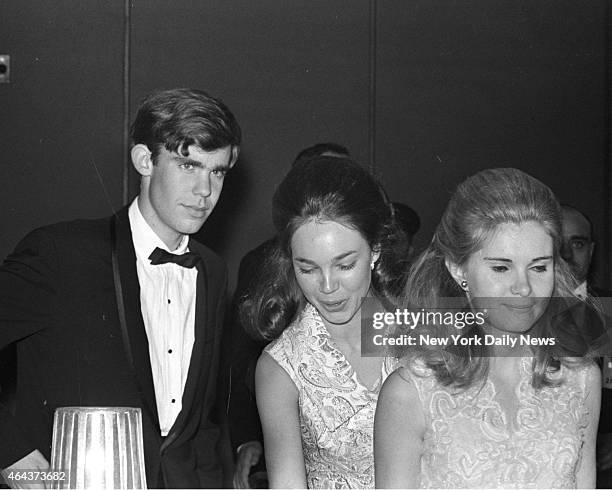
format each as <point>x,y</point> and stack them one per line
<point>464,286</point>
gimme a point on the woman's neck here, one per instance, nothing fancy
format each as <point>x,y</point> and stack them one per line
<point>347,333</point>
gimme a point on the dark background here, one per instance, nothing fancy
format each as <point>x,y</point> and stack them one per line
<point>427,91</point>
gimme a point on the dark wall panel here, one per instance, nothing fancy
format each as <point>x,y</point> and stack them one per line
<point>294,73</point>
<point>61,115</point>
<point>464,86</point>
<point>460,86</point>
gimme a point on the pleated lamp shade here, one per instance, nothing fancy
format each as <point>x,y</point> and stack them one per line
<point>98,447</point>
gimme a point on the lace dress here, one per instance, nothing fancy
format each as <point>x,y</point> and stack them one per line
<point>471,443</point>
<point>336,410</point>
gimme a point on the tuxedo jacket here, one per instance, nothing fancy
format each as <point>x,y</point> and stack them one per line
<point>58,303</point>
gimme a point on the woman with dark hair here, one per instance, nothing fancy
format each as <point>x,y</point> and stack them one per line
<point>503,407</point>
<point>336,245</point>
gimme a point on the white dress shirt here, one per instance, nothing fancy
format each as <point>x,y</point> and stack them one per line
<point>168,300</point>
<point>581,290</point>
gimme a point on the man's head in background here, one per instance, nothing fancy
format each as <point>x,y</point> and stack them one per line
<point>408,220</point>
<point>321,149</point>
<point>578,244</point>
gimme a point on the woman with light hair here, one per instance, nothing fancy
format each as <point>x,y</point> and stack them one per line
<point>508,403</point>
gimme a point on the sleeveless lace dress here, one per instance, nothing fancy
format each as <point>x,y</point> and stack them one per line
<point>336,410</point>
<point>472,443</point>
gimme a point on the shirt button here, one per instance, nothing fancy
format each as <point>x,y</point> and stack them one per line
<point>173,400</point>
<point>169,301</point>
<point>169,351</point>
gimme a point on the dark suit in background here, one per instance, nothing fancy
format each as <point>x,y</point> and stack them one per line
<point>245,425</point>
<point>604,431</point>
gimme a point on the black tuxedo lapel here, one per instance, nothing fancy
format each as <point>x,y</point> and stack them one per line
<point>137,336</point>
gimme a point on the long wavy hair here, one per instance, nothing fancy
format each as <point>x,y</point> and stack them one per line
<point>325,189</point>
<point>478,207</point>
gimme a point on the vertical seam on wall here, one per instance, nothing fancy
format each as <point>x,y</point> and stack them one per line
<point>607,144</point>
<point>372,88</point>
<point>126,97</point>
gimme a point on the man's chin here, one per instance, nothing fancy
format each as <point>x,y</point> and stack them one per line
<point>192,226</point>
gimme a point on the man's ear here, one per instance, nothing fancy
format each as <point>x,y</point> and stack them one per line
<point>141,159</point>
<point>456,271</point>
<point>235,151</point>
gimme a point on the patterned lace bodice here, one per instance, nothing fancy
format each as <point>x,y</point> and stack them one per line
<point>471,442</point>
<point>336,410</point>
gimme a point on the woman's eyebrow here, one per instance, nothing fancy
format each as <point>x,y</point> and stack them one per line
<point>336,258</point>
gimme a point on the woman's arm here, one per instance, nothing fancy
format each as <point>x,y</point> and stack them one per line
<point>399,427</point>
<point>585,477</point>
<point>277,401</point>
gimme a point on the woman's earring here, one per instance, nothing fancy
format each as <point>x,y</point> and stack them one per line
<point>464,286</point>
<point>372,264</point>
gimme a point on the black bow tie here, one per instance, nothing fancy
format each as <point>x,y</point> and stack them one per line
<point>161,256</point>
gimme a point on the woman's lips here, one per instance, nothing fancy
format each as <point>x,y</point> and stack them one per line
<point>333,306</point>
<point>520,308</point>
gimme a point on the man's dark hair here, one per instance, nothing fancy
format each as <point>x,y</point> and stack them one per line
<point>568,207</point>
<point>178,118</point>
<point>321,149</point>
<point>406,218</point>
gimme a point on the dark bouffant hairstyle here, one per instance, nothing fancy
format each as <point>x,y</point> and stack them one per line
<point>178,118</point>
<point>326,189</point>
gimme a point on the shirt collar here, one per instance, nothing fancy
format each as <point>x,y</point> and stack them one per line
<point>145,239</point>
<point>581,290</point>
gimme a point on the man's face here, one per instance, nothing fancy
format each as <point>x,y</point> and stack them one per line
<point>178,193</point>
<point>577,248</point>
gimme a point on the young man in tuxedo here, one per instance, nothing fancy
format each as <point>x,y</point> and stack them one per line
<point>128,310</point>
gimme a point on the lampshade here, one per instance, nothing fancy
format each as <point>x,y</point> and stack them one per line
<point>98,447</point>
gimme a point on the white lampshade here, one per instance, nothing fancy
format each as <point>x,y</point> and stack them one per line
<point>98,447</point>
